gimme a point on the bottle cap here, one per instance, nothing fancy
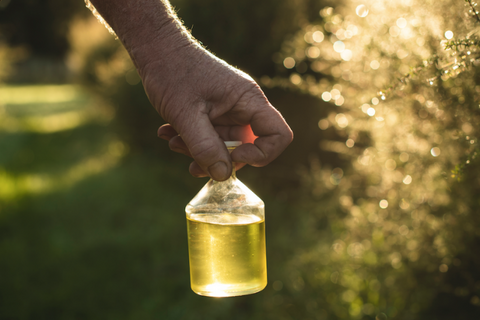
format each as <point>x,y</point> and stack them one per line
<point>230,144</point>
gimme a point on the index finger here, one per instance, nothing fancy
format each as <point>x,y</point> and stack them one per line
<point>273,133</point>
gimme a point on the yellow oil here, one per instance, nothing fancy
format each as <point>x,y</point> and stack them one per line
<point>227,256</point>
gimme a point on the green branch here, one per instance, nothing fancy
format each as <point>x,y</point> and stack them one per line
<point>475,12</point>
<point>464,42</point>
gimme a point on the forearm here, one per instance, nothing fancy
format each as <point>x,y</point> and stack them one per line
<point>149,29</point>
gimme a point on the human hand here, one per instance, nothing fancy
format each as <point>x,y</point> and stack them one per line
<point>205,102</point>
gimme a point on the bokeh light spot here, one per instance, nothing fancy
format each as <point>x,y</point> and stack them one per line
<point>404,157</point>
<point>340,101</point>
<point>401,23</point>
<point>339,46</point>
<point>313,52</point>
<point>335,94</point>
<point>383,204</point>
<point>318,36</point>
<point>295,79</point>
<point>365,107</point>
<point>394,31</point>
<point>435,151</point>
<point>336,176</point>
<point>326,96</point>
<point>347,55</point>
<point>361,11</point>
<point>323,124</point>
<point>449,34</point>
<point>350,143</point>
<point>341,120</point>
<point>381,316</point>
<point>289,62</point>
<point>407,179</point>
<point>371,112</point>
<point>390,164</point>
<point>402,54</point>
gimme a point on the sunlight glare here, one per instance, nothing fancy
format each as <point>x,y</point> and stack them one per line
<point>218,290</point>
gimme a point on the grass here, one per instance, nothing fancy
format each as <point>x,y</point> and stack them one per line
<point>89,230</point>
<point>86,230</point>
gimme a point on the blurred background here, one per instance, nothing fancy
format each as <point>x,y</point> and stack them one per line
<point>372,212</point>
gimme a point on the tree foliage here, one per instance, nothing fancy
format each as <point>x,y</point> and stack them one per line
<point>403,213</point>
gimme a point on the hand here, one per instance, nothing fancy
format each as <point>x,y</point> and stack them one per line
<point>205,102</point>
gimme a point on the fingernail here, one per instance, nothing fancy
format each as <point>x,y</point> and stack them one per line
<point>218,171</point>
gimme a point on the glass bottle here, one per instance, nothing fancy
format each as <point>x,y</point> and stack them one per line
<point>226,238</point>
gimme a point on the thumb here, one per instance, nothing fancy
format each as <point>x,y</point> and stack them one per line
<point>207,148</point>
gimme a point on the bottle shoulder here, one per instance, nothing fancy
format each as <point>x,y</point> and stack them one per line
<point>231,194</point>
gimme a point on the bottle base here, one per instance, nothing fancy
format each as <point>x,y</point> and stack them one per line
<point>223,291</point>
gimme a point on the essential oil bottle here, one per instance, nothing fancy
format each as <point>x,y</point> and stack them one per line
<point>226,238</point>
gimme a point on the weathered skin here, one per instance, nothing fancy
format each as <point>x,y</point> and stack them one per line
<point>204,100</point>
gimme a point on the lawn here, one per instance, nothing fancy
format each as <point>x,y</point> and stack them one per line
<point>89,230</point>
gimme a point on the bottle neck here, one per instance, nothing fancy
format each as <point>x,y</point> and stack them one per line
<point>234,172</point>
<point>233,175</point>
